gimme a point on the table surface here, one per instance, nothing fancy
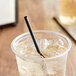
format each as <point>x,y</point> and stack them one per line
<point>8,66</point>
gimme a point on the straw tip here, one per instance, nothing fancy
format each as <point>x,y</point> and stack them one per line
<point>54,18</point>
<point>25,17</point>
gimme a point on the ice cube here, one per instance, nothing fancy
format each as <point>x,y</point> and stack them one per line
<point>58,42</point>
<point>43,43</point>
<point>26,71</point>
<point>50,52</point>
<point>50,42</point>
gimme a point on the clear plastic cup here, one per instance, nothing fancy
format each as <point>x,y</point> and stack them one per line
<point>35,66</point>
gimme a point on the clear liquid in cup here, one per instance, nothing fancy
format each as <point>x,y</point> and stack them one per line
<point>67,11</point>
<point>49,48</point>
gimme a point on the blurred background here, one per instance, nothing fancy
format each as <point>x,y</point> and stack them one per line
<point>55,15</point>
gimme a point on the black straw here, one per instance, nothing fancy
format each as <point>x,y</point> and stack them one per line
<point>64,29</point>
<point>32,35</point>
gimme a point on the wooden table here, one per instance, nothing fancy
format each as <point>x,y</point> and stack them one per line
<point>39,21</point>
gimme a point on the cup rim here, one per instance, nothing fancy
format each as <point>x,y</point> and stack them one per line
<point>36,58</point>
